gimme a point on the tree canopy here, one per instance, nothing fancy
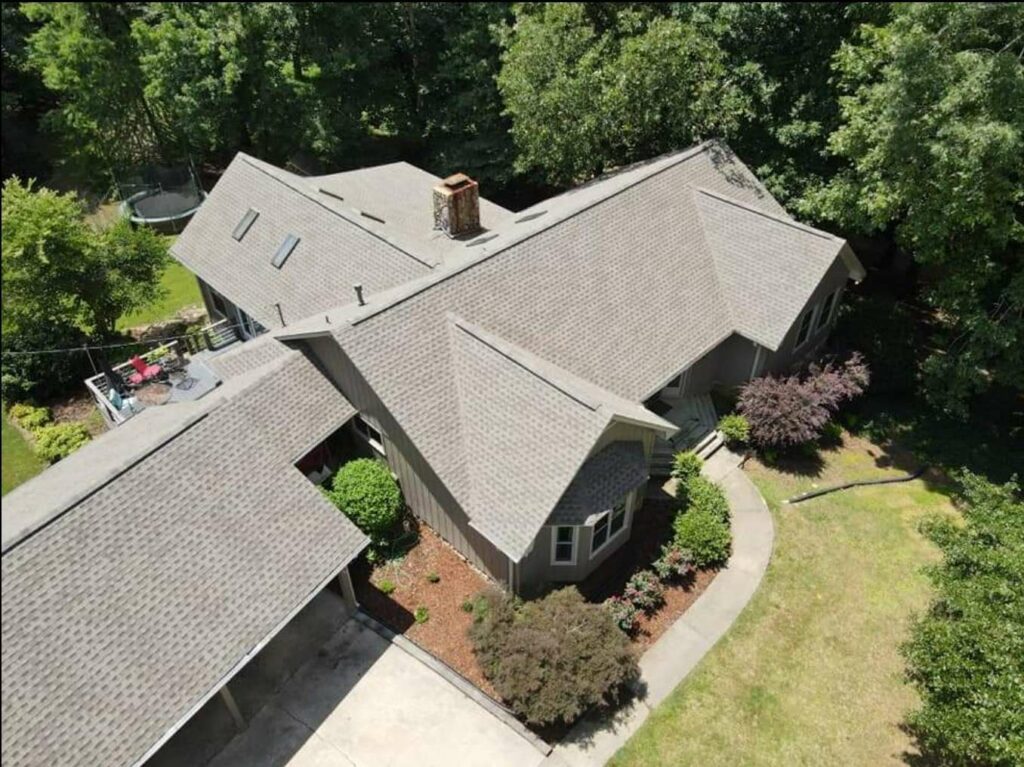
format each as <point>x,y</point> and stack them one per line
<point>897,124</point>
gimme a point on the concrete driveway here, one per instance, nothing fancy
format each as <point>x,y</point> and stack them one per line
<point>365,702</point>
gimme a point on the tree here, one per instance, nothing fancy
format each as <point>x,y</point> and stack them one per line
<point>589,88</point>
<point>932,135</point>
<point>966,654</point>
<point>63,279</point>
<point>86,54</point>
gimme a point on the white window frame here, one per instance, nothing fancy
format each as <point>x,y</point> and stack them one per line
<point>824,321</point>
<point>361,421</point>
<point>813,312</point>
<point>554,545</point>
<point>607,514</point>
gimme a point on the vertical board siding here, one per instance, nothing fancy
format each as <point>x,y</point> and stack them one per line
<point>425,494</point>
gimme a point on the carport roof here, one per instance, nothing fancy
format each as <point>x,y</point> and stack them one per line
<point>136,603</point>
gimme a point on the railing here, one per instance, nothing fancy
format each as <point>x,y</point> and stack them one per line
<point>210,338</point>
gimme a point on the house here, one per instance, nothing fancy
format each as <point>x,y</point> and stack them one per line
<point>524,377</point>
<point>522,374</point>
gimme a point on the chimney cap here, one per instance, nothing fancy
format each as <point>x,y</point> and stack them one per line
<point>457,181</point>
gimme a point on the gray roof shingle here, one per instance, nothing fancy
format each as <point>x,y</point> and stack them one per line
<point>126,610</point>
<point>602,481</point>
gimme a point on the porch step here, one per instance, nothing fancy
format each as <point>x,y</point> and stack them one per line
<point>696,418</point>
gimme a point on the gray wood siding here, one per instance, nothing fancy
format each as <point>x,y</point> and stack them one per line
<point>425,494</point>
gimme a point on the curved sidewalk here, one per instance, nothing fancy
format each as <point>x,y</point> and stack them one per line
<point>593,742</point>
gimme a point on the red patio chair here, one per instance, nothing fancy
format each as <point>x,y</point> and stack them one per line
<point>143,372</point>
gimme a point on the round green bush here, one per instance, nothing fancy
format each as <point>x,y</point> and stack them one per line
<point>367,494</point>
<point>60,440</point>
<point>705,535</point>
<point>703,494</point>
<point>735,429</point>
<point>686,466</point>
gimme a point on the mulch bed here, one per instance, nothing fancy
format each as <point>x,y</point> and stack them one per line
<point>444,634</point>
<point>652,528</point>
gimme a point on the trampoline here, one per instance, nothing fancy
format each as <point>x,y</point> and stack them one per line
<point>164,199</point>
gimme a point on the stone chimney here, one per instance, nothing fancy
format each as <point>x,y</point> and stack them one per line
<point>457,205</point>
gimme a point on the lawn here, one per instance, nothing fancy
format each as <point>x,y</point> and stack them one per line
<point>181,290</point>
<point>811,672</point>
<point>19,462</point>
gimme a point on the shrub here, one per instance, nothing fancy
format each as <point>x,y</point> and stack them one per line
<point>686,465</point>
<point>831,434</point>
<point>433,577</point>
<point>966,653</point>
<point>623,612</point>
<point>554,658</point>
<point>386,587</point>
<point>60,440</point>
<point>735,429</point>
<point>791,411</point>
<point>705,535</point>
<point>467,606</point>
<point>422,614</point>
<point>674,562</point>
<point>644,591</point>
<point>28,416</point>
<point>367,494</point>
<point>704,495</point>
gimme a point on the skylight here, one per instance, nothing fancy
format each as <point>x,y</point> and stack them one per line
<point>290,241</point>
<point>244,225</point>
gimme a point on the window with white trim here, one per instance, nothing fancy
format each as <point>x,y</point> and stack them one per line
<point>608,525</point>
<point>827,309</point>
<point>563,545</point>
<point>370,433</point>
<point>805,328</point>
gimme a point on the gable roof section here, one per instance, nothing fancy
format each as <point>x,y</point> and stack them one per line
<point>526,427</point>
<point>133,606</point>
<point>333,254</point>
<point>767,265</point>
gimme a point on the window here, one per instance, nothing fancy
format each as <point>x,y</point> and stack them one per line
<point>805,328</point>
<point>835,303</point>
<point>563,547</point>
<point>243,226</point>
<point>600,536</point>
<point>370,433</point>
<point>290,241</point>
<point>608,525</point>
<point>618,517</point>
<point>826,309</point>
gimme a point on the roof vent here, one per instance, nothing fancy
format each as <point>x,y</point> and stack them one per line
<point>290,241</point>
<point>457,205</point>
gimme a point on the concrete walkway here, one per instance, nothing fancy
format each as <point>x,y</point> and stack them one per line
<point>365,702</point>
<point>593,741</point>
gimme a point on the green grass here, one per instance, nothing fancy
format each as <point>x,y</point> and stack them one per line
<point>180,290</point>
<point>19,462</point>
<point>811,673</point>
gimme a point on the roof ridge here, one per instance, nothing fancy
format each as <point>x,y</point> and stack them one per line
<point>770,216</point>
<point>411,289</point>
<point>515,354</point>
<point>258,164</point>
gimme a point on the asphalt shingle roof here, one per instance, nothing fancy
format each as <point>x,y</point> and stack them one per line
<point>602,481</point>
<point>125,611</point>
<point>616,283</point>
